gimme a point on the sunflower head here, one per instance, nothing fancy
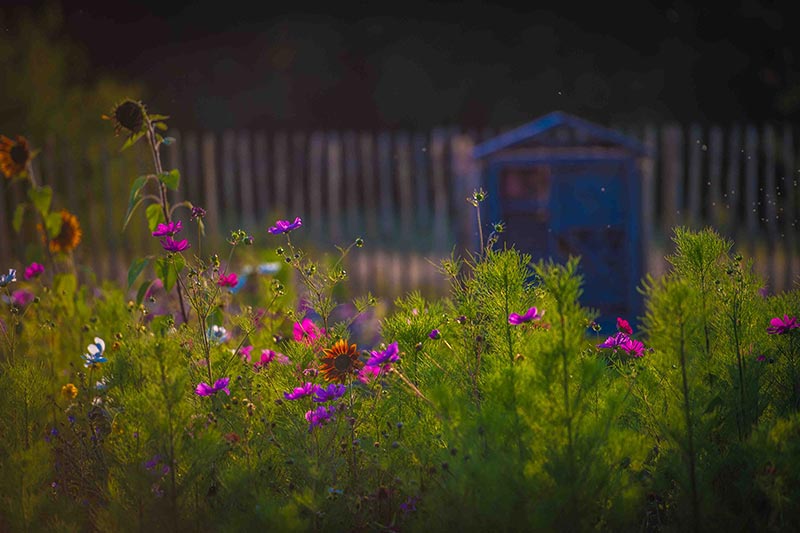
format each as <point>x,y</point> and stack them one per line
<point>128,115</point>
<point>340,361</point>
<point>14,155</point>
<point>70,234</point>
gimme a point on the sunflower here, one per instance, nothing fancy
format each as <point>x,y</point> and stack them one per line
<point>340,361</point>
<point>14,156</point>
<point>70,234</point>
<point>129,115</point>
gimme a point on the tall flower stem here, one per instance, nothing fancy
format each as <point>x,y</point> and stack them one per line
<point>162,189</point>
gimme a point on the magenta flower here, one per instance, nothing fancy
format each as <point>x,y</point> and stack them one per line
<point>284,226</point>
<point>385,358</point>
<point>435,334</point>
<point>368,374</point>
<point>531,314</point>
<point>33,270</point>
<point>171,245</point>
<point>624,326</point>
<point>614,341</point>
<point>204,389</point>
<point>782,326</point>
<point>245,352</point>
<point>267,356</point>
<point>306,331</point>
<point>320,415</point>
<point>230,280</point>
<point>633,348</point>
<point>170,229</point>
<point>21,298</point>
<point>334,391</point>
<point>300,392</point>
<point>761,358</point>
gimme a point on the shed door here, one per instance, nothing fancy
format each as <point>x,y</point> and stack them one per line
<point>590,219</point>
<point>524,205</point>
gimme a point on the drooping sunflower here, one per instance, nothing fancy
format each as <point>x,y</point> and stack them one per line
<point>70,235</point>
<point>340,360</point>
<point>128,115</point>
<point>14,155</point>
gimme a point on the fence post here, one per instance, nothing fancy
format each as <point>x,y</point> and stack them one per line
<point>695,192</point>
<point>769,199</point>
<point>466,178</point>
<point>751,188</point>
<point>334,186</point>
<point>440,196</point>
<point>352,190</point>
<point>245,178</point>
<point>210,186</point>
<point>386,185</point>
<point>651,249</point>
<point>732,189</point>
<point>281,175</point>
<point>297,191</point>
<point>402,150</point>
<point>261,156</point>
<point>422,207</point>
<point>315,169</point>
<point>714,206</point>
<point>789,205</point>
<point>672,178</point>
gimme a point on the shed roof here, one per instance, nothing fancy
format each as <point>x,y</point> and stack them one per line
<point>559,129</point>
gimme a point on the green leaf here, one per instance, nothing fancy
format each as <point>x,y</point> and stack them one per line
<point>136,268</point>
<point>155,216</point>
<point>143,290</point>
<point>160,126</point>
<point>171,179</point>
<point>167,270</point>
<point>41,198</point>
<point>53,224</point>
<point>132,140</point>
<point>19,213</point>
<point>135,198</point>
<point>154,118</point>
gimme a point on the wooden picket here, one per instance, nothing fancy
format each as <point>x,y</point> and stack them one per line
<point>405,192</point>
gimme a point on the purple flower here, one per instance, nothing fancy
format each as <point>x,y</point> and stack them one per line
<point>169,229</point>
<point>300,392</point>
<point>171,245</point>
<point>198,212</point>
<point>21,298</point>
<point>284,226</point>
<point>33,270</point>
<point>435,334</point>
<point>267,356</point>
<point>245,352</point>
<point>780,326</point>
<point>531,314</point>
<point>385,358</point>
<point>334,391</point>
<point>229,280</point>
<point>204,389</point>
<point>615,341</point>
<point>320,415</point>
<point>761,358</point>
<point>410,505</point>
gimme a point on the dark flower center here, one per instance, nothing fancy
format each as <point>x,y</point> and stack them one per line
<point>130,116</point>
<point>19,154</point>
<point>342,363</point>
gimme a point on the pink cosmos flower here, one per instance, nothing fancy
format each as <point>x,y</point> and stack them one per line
<point>21,298</point>
<point>204,389</point>
<point>306,331</point>
<point>633,348</point>
<point>33,270</point>
<point>284,226</point>
<point>368,374</point>
<point>781,326</point>
<point>624,326</point>
<point>170,229</point>
<point>245,352</point>
<point>230,280</point>
<point>531,314</point>
<point>267,356</point>
<point>171,245</point>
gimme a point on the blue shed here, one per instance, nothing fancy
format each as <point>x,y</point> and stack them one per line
<point>565,186</point>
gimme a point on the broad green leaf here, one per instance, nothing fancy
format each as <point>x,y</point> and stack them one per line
<point>136,268</point>
<point>132,140</point>
<point>155,216</point>
<point>53,224</point>
<point>19,213</point>
<point>167,270</point>
<point>143,290</point>
<point>41,198</point>
<point>135,198</point>
<point>171,179</point>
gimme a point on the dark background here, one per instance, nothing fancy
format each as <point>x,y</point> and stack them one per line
<point>423,64</point>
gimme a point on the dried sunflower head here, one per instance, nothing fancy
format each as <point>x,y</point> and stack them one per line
<point>14,155</point>
<point>128,115</point>
<point>70,235</point>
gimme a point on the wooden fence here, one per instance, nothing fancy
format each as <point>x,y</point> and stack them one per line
<point>404,193</point>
